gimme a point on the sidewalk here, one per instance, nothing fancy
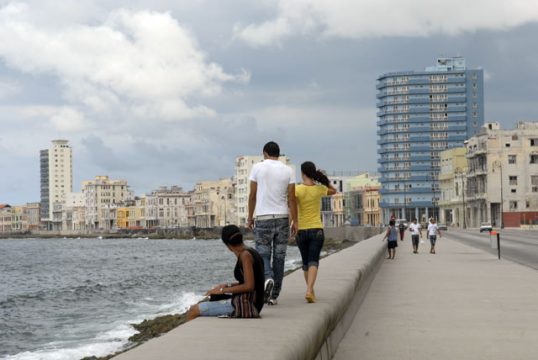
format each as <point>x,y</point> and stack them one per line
<point>460,303</point>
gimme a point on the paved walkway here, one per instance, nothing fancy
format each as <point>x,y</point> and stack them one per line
<point>460,303</point>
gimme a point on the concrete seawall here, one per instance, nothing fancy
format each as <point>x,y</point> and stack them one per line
<point>291,330</point>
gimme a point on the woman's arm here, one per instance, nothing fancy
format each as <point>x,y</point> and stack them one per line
<point>248,272</point>
<point>331,190</point>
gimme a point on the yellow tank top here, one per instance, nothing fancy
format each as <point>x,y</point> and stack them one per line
<point>309,205</point>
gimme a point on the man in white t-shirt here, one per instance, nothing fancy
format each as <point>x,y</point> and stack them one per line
<point>416,232</point>
<point>272,196</point>
<point>433,230</point>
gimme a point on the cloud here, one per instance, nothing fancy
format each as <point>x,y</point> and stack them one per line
<point>360,19</point>
<point>144,61</point>
<point>9,88</point>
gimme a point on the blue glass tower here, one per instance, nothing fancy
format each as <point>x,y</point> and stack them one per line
<point>419,115</point>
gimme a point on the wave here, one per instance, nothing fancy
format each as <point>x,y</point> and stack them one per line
<point>112,340</point>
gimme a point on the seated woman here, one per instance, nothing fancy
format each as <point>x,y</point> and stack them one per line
<point>247,293</point>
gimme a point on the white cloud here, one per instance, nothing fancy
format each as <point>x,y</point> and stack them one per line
<point>68,120</point>
<point>9,88</point>
<point>140,60</point>
<point>365,18</point>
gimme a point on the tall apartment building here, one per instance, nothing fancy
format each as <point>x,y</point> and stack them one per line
<point>243,167</point>
<point>421,114</point>
<point>56,178</point>
<point>502,179</point>
<point>101,198</point>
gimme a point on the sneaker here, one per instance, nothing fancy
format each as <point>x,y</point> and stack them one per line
<point>268,290</point>
<point>272,302</point>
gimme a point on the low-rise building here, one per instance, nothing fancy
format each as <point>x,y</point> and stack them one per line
<point>101,198</point>
<point>209,202</point>
<point>5,218</point>
<point>502,180</point>
<point>452,181</point>
<point>33,214</point>
<point>170,207</point>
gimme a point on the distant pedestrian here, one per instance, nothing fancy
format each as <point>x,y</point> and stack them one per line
<point>392,236</point>
<point>401,227</point>
<point>433,230</point>
<point>310,237</point>
<point>416,232</point>
<point>272,196</point>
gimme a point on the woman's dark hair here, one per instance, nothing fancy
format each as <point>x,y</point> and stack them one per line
<point>231,235</point>
<point>272,149</point>
<point>309,169</point>
<point>392,222</point>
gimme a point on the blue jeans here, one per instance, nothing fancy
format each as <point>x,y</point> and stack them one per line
<point>310,242</point>
<point>216,308</point>
<point>271,238</point>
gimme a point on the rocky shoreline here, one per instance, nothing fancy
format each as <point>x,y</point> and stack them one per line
<point>149,329</point>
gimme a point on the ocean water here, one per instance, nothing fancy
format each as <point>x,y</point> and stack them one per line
<point>64,299</point>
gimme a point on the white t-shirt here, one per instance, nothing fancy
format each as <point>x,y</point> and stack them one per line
<point>432,229</point>
<point>272,178</point>
<point>415,228</point>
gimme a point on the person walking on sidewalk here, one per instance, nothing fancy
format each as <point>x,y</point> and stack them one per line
<point>416,232</point>
<point>310,237</point>
<point>433,230</point>
<point>401,227</point>
<point>392,236</point>
<point>272,198</point>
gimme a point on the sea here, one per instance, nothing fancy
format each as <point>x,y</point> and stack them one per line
<point>65,299</point>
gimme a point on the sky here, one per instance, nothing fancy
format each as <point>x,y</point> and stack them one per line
<point>169,92</point>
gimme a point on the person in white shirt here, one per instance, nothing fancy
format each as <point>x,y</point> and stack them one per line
<point>416,232</point>
<point>433,230</point>
<point>272,196</point>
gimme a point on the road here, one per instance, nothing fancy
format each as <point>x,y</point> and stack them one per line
<point>520,246</point>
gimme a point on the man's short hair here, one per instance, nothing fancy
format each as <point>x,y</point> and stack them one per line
<point>272,149</point>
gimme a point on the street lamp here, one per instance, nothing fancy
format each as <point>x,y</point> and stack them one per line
<point>458,172</point>
<point>497,163</point>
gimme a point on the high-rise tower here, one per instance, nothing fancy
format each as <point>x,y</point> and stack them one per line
<point>56,178</point>
<point>421,114</point>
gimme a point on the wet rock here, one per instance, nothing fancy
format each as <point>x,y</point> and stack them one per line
<point>149,329</point>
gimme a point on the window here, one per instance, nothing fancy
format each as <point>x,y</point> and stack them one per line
<point>534,142</point>
<point>512,180</point>
<point>507,145</point>
<point>513,205</point>
<point>513,191</point>
<point>534,159</point>
<point>512,159</point>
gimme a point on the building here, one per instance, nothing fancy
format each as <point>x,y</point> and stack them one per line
<point>56,166</point>
<point>101,198</point>
<point>33,214</point>
<point>452,182</point>
<point>19,219</point>
<point>5,218</point>
<point>502,179</point>
<point>211,204</point>
<point>171,206</point>
<point>362,200</point>
<point>74,212</point>
<point>243,168</point>
<point>421,114</point>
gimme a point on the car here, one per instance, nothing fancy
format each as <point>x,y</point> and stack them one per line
<point>442,227</point>
<point>486,227</point>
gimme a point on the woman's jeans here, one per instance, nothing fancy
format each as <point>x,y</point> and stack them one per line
<point>310,242</point>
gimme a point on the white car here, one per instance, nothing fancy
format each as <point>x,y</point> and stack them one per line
<point>486,227</point>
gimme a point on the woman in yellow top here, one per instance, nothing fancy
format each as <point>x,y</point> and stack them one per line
<point>310,236</point>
